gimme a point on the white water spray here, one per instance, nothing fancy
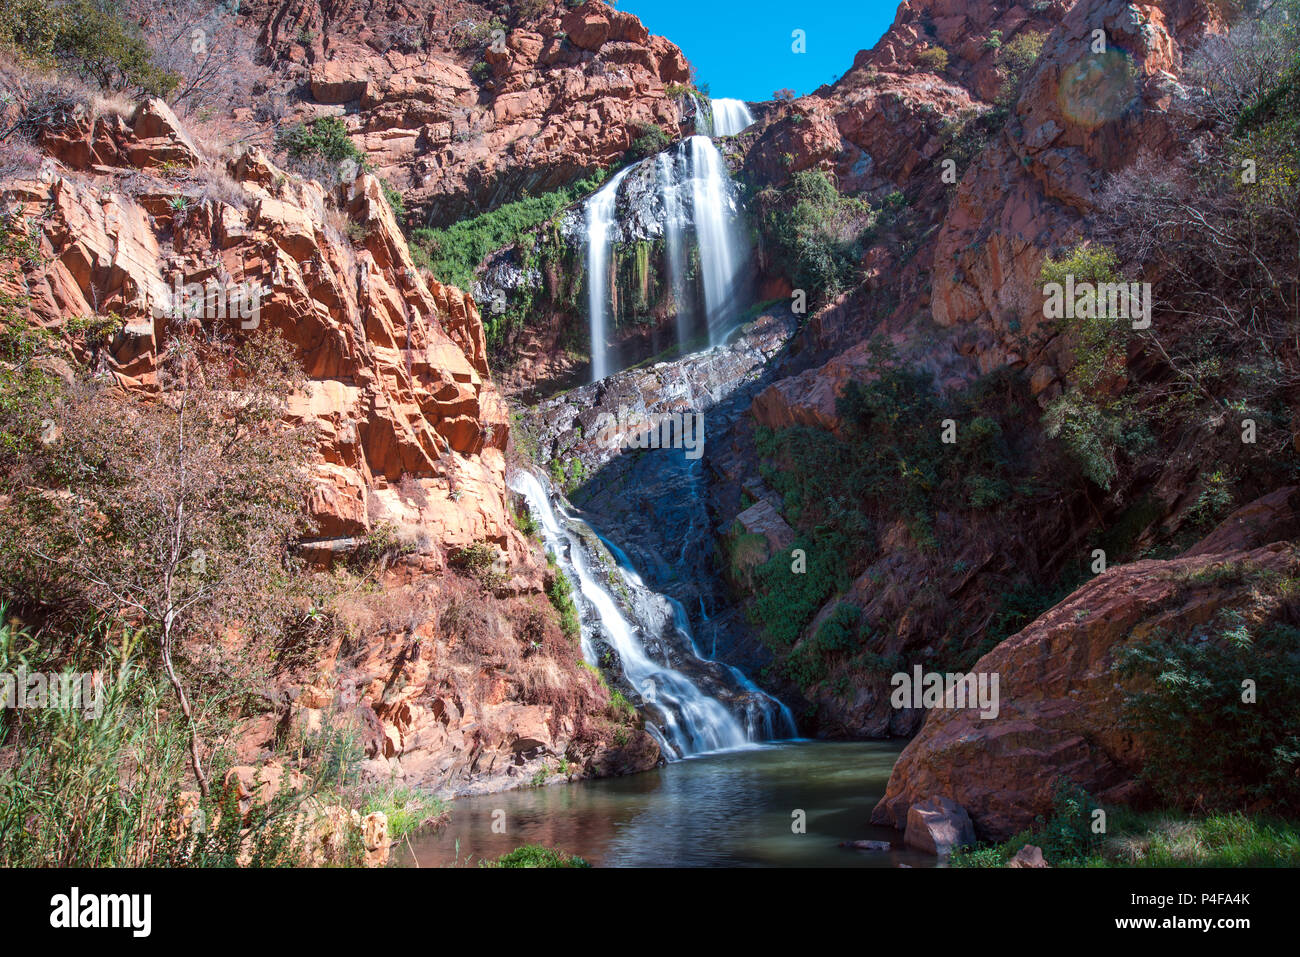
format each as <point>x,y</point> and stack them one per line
<point>600,220</point>
<point>730,117</point>
<point>714,211</point>
<point>693,721</point>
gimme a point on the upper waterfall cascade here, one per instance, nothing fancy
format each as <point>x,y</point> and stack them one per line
<point>730,117</point>
<point>681,693</point>
<point>693,205</point>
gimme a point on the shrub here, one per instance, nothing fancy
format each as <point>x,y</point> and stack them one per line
<point>453,253</point>
<point>89,37</point>
<point>1021,53</point>
<point>325,138</point>
<point>649,141</point>
<point>182,510</point>
<point>816,234</point>
<point>934,59</point>
<point>560,593</point>
<point>890,464</point>
<point>1206,748</point>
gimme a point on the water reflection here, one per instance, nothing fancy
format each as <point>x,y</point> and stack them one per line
<point>731,809</point>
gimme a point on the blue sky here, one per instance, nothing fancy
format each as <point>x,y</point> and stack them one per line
<point>742,48</point>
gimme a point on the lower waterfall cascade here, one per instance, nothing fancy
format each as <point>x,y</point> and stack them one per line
<point>692,704</point>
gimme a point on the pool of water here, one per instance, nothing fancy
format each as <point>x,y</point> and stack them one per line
<point>729,809</point>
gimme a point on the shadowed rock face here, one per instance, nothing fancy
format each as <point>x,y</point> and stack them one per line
<point>461,124</point>
<point>1061,704</point>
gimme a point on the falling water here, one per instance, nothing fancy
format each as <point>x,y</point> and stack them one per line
<point>669,182</point>
<point>600,219</point>
<point>714,210</point>
<point>693,721</point>
<point>698,207</point>
<point>730,117</point>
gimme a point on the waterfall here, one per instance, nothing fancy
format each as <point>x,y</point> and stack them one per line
<point>600,220</point>
<point>669,180</point>
<point>683,710</point>
<point>686,196</point>
<point>714,210</point>
<point>703,117</point>
<point>730,117</point>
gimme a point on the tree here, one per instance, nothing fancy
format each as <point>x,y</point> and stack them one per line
<point>91,37</point>
<point>1219,226</point>
<point>175,511</point>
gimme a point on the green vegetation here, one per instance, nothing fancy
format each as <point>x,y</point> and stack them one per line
<point>482,561</point>
<point>973,129</point>
<point>569,475</point>
<point>1207,747</point>
<point>934,59</point>
<point>1094,424</point>
<point>534,855</point>
<point>454,252</point>
<point>1145,839</point>
<point>649,141</point>
<point>92,38</point>
<point>27,388</point>
<point>891,464</point>
<point>317,150</point>
<point>406,808</point>
<point>560,593</point>
<point>325,137</point>
<point>816,234</point>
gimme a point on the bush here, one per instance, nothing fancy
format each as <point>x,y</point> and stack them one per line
<point>92,38</point>
<point>1021,53</point>
<point>560,593</point>
<point>890,464</point>
<point>453,253</point>
<point>934,59</point>
<point>649,141</point>
<point>184,511</point>
<point>325,138</point>
<point>101,791</point>
<point>814,233</point>
<point>1206,748</point>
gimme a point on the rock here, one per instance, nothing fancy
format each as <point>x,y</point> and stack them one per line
<point>374,837</point>
<point>566,96</point>
<point>1061,705</point>
<point>868,845</point>
<point>762,518</point>
<point>1028,856</point>
<point>937,825</point>
<point>1273,518</point>
<point>409,432</point>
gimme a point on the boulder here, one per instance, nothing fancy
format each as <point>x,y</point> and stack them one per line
<point>1028,856</point>
<point>937,825</point>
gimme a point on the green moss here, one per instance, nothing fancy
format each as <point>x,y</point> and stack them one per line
<point>534,855</point>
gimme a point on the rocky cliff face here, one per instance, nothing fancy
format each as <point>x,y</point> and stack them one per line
<point>463,106</point>
<point>411,437</point>
<point>971,285</point>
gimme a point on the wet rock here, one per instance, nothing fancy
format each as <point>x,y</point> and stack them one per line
<point>868,845</point>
